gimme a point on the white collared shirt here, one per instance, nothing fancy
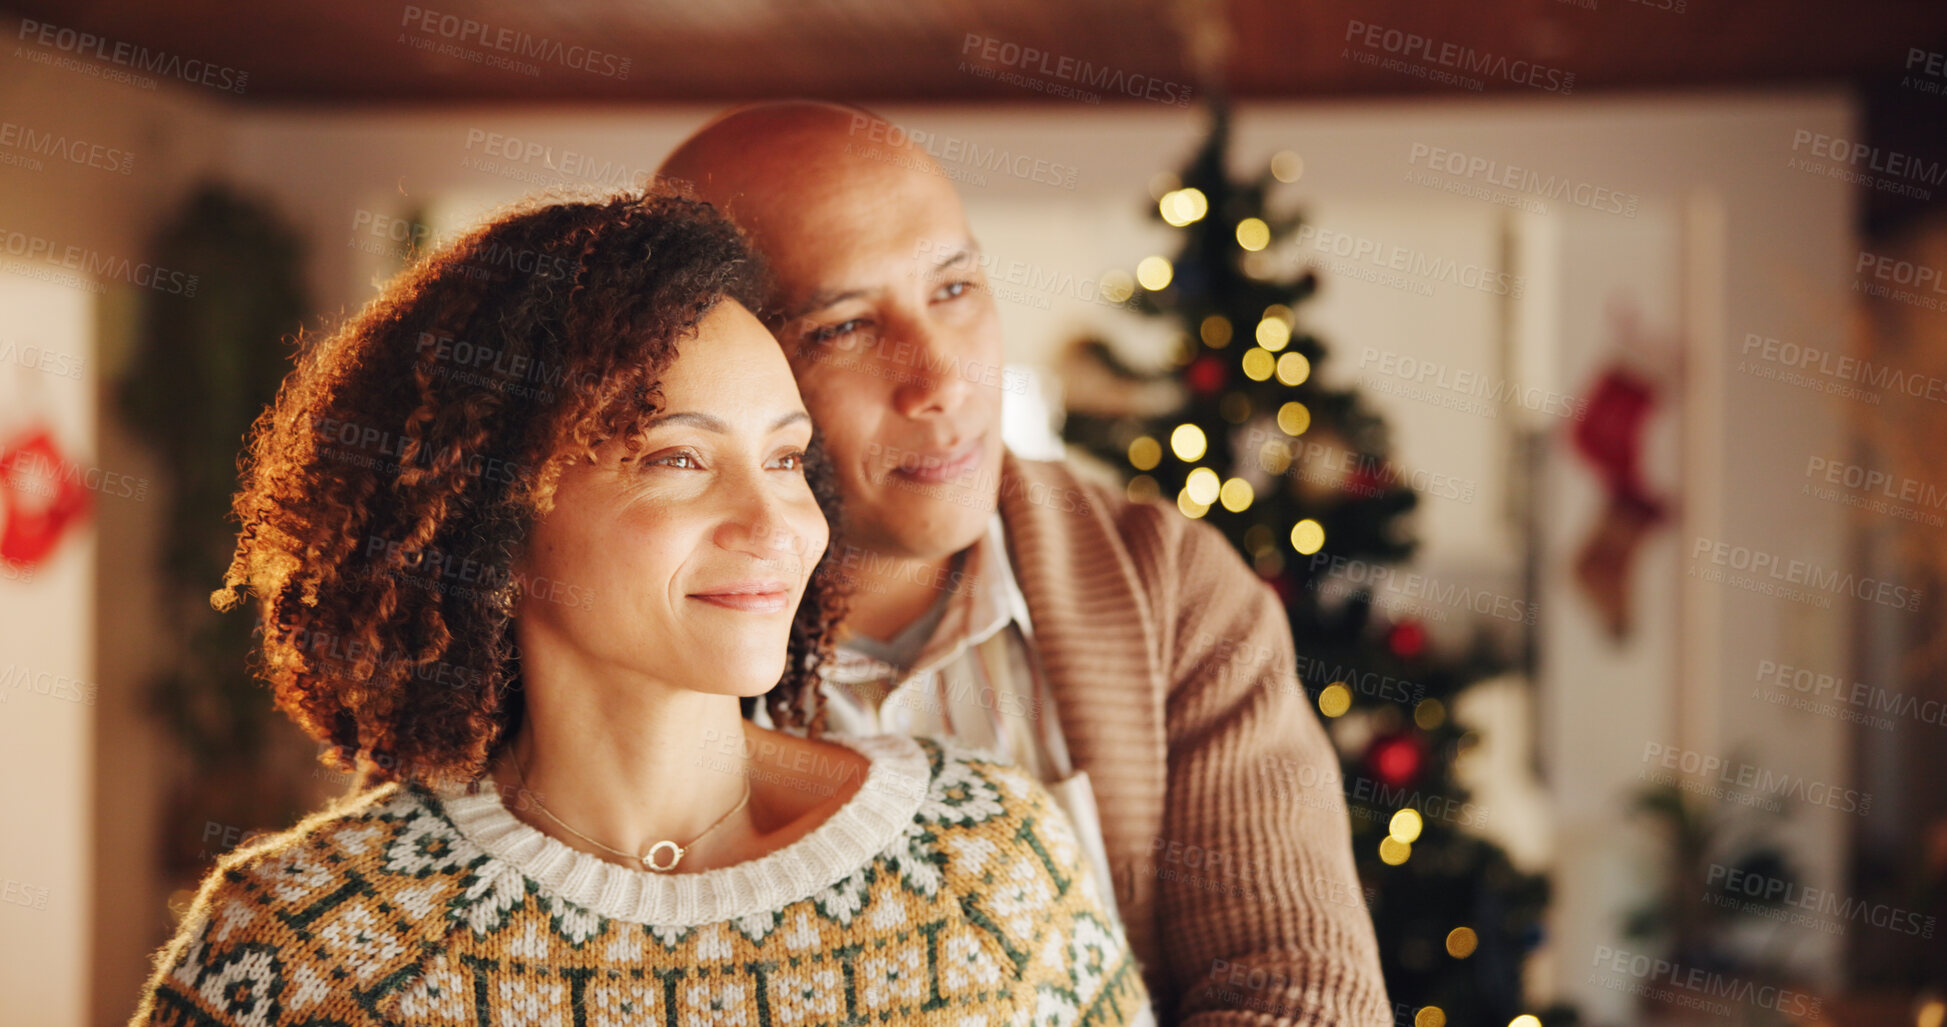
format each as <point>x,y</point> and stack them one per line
<point>976,682</point>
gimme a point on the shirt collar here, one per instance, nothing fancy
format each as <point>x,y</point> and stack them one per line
<point>987,600</point>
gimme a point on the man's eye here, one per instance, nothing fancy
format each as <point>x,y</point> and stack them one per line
<point>830,332</point>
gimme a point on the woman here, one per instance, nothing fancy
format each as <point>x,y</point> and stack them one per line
<point>525,534</point>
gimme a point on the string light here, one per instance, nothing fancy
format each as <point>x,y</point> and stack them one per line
<point>1187,442</point>
<point>1933,1014</point>
<point>1307,536</point>
<point>1154,273</point>
<point>1288,167</point>
<point>1461,943</point>
<point>1294,417</point>
<point>1236,495</point>
<point>1293,369</point>
<point>1203,485</point>
<point>1253,234</point>
<point>1116,286</point>
<point>1525,1020</point>
<point>1259,363</point>
<point>1274,456</point>
<point>1180,207</point>
<point>1189,506</point>
<point>1145,453</point>
<point>1430,1016</point>
<point>1429,714</point>
<point>1335,699</point>
<point>1273,333</point>
<point>1215,331</point>
<point>1393,852</point>
<point>1406,825</point>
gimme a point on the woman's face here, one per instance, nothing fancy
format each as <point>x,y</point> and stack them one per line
<point>685,562</point>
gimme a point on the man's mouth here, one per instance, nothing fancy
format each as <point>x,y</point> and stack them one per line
<point>933,467</point>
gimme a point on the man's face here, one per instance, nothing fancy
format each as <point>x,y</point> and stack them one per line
<point>892,333</point>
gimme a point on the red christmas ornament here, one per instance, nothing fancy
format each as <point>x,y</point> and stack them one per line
<point>39,497</point>
<point>1407,639</point>
<point>1366,481</point>
<point>1396,760</point>
<point>1206,375</point>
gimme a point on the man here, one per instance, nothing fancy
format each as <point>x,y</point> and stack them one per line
<point>1120,651</point>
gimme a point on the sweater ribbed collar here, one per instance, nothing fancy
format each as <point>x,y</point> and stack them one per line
<point>868,822</point>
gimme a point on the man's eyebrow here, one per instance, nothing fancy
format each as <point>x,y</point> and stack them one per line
<point>717,424</point>
<point>820,300</point>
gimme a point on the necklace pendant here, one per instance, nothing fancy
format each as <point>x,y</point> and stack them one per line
<point>653,862</point>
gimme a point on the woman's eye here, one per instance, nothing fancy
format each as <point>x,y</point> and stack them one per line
<point>685,461</point>
<point>830,332</point>
<point>792,461</point>
<point>952,290</point>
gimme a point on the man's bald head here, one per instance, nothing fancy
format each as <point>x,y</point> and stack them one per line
<point>879,300</point>
<point>759,162</point>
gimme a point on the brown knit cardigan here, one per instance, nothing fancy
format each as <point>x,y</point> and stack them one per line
<point>1173,674</point>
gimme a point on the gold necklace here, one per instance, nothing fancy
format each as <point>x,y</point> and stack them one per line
<point>647,859</point>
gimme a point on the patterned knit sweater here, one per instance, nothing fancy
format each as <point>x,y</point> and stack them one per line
<point>947,890</point>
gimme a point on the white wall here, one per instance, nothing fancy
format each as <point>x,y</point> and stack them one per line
<point>80,781</point>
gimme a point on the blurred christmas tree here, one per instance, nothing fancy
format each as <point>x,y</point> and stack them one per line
<point>1240,432</point>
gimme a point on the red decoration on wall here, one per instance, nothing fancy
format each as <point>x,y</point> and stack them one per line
<point>40,496</point>
<point>1610,438</point>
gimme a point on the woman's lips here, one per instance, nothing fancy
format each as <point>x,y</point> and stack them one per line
<point>948,465</point>
<point>759,597</point>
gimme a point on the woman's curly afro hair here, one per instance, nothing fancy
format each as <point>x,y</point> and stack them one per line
<point>387,490</point>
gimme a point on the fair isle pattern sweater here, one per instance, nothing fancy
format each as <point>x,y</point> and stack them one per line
<point>947,890</point>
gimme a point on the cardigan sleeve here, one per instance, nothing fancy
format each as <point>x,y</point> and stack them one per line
<point>1257,892</point>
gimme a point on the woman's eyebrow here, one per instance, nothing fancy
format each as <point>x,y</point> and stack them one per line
<point>708,422</point>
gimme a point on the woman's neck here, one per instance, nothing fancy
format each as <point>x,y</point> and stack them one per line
<point>629,766</point>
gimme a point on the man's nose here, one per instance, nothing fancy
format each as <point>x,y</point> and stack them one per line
<point>929,382</point>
